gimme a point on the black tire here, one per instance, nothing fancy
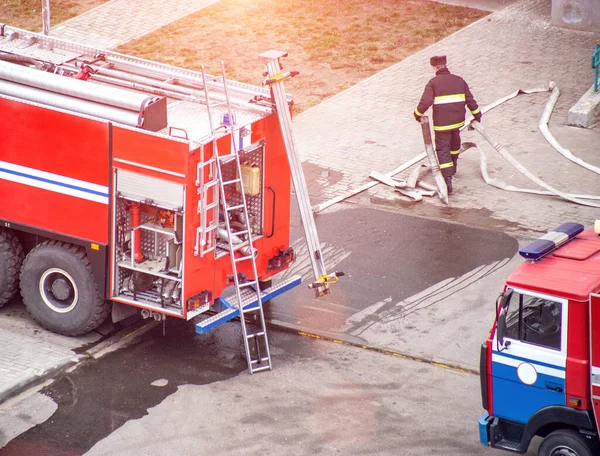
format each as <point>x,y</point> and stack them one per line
<point>59,289</point>
<point>11,258</point>
<point>565,442</point>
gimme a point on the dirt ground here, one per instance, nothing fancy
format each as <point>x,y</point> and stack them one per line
<point>27,14</point>
<point>334,44</point>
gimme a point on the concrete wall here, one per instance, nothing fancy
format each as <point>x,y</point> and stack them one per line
<point>576,14</point>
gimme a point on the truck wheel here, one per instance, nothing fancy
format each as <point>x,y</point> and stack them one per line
<point>11,258</point>
<point>59,289</point>
<point>564,443</point>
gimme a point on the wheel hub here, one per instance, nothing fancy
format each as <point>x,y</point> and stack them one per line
<point>58,290</point>
<point>61,289</point>
<point>563,451</point>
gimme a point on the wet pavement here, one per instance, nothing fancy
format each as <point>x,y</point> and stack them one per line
<point>412,284</point>
<point>385,256</point>
<point>98,398</point>
<point>188,394</point>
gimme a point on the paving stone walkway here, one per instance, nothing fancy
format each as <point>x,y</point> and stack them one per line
<point>370,127</point>
<point>120,21</point>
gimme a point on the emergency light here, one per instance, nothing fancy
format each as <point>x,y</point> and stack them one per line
<point>551,241</point>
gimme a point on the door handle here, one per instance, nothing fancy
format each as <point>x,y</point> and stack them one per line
<point>553,387</point>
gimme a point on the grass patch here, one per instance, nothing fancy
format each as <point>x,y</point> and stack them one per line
<point>334,44</point>
<point>27,14</point>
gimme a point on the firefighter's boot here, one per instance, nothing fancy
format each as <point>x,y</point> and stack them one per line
<point>448,181</point>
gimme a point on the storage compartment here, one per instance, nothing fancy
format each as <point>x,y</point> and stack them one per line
<point>148,248</point>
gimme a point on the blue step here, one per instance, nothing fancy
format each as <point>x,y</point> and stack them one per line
<point>249,302</point>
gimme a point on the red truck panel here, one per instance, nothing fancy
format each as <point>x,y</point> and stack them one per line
<point>54,168</point>
<point>152,152</point>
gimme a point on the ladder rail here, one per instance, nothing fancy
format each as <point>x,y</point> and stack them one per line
<point>259,362</point>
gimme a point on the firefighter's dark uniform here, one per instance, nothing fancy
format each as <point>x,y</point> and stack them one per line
<point>448,93</point>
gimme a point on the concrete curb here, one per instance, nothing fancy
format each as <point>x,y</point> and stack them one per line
<point>348,339</point>
<point>34,380</point>
<point>585,112</point>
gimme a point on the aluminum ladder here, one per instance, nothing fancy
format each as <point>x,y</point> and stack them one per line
<point>275,82</point>
<point>239,252</point>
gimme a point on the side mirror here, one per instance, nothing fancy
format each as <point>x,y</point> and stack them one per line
<point>506,297</point>
<point>501,321</point>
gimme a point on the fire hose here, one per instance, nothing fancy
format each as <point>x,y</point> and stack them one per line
<point>543,126</point>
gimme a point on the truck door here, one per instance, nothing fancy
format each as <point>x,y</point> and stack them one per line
<point>528,365</point>
<point>595,352</point>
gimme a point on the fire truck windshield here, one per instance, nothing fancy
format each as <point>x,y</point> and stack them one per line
<point>534,320</point>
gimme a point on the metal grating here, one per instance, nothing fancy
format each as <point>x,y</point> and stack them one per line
<point>255,157</point>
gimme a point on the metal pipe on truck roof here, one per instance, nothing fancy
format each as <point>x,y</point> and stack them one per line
<point>61,101</point>
<point>123,79</point>
<point>85,90</point>
<point>161,70</point>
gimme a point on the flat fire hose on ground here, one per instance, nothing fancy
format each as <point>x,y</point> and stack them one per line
<point>494,182</point>
<point>543,126</point>
<point>275,82</point>
<point>509,158</point>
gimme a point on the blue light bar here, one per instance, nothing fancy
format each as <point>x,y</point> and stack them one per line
<point>551,241</point>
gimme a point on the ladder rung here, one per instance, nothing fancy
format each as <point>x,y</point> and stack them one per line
<point>237,260</point>
<point>260,361</point>
<point>251,336</point>
<point>208,162</point>
<point>237,233</point>
<point>211,206</point>
<point>248,284</point>
<point>235,208</point>
<point>232,181</point>
<point>211,183</point>
<point>227,157</point>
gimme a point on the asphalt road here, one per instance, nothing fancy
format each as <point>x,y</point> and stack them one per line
<point>188,394</point>
<point>387,257</point>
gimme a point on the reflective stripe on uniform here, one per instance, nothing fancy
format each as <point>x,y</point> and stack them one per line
<point>444,99</point>
<point>446,165</point>
<point>455,152</point>
<point>448,127</point>
<point>476,111</point>
<point>418,113</point>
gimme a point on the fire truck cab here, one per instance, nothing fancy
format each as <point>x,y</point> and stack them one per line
<point>540,365</point>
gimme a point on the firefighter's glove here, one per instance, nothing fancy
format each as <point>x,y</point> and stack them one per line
<point>478,117</point>
<point>417,117</point>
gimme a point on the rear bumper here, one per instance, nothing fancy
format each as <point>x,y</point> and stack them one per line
<point>484,429</point>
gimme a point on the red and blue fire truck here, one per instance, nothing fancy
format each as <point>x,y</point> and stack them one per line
<point>540,365</point>
<point>129,184</point>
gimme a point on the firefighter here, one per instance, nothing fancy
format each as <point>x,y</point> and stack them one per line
<point>448,93</point>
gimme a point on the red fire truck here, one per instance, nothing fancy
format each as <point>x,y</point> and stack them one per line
<point>540,366</point>
<point>127,183</point>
